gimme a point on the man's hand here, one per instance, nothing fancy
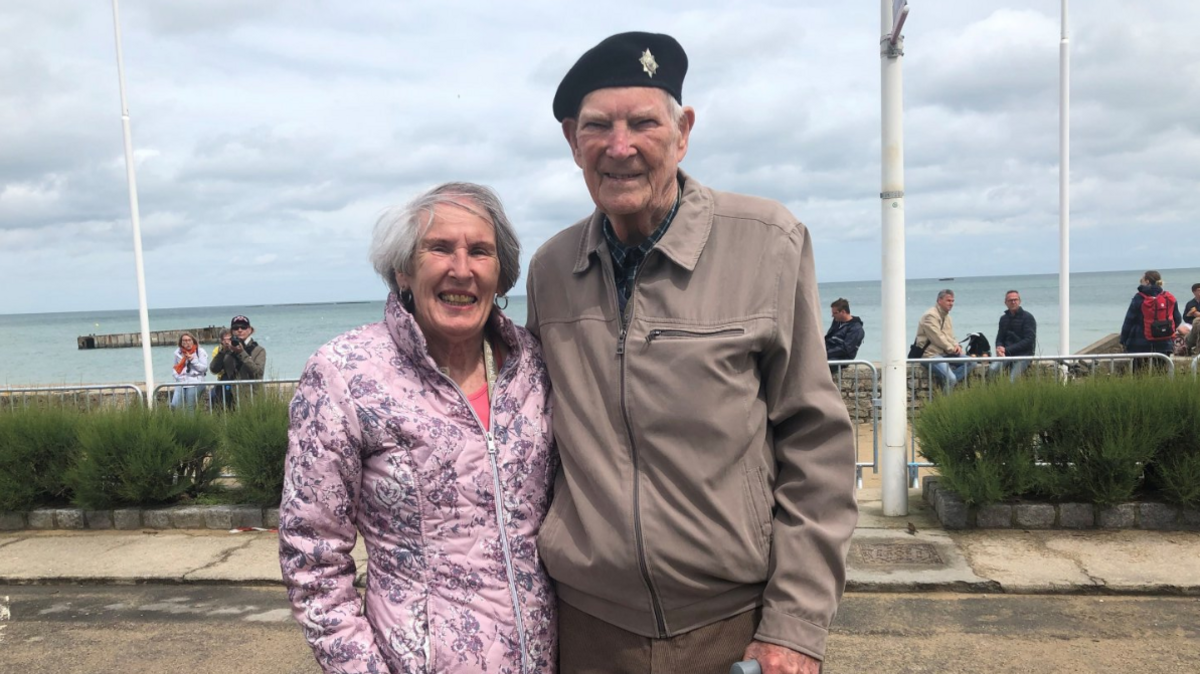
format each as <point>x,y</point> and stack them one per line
<point>780,660</point>
<point>999,350</point>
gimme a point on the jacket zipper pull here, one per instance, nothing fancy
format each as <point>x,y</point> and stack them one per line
<point>491,444</point>
<point>621,342</point>
<point>653,335</point>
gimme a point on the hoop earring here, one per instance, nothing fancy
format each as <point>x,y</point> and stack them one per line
<point>406,298</point>
<point>497,302</point>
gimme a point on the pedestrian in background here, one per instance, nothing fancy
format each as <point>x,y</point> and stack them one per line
<point>191,364</point>
<point>221,395</point>
<point>936,330</point>
<point>1151,321</point>
<point>1016,336</point>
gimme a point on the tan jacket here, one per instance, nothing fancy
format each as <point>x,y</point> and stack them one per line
<point>936,331</point>
<point>707,459</point>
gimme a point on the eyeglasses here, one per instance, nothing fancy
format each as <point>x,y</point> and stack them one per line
<point>241,327</point>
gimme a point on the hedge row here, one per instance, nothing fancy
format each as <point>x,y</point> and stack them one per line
<point>133,457</point>
<point>1103,440</point>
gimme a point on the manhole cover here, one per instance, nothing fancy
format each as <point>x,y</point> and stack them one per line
<point>893,554</point>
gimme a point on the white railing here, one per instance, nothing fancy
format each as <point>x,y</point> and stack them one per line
<point>857,379</point>
<point>220,395</point>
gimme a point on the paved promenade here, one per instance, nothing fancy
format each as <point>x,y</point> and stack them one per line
<point>884,557</point>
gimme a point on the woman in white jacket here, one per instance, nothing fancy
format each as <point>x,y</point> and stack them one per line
<point>191,364</point>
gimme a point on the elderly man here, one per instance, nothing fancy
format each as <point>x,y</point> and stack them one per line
<point>1016,336</point>
<point>706,497</point>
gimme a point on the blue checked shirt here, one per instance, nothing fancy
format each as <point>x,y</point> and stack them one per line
<point>626,260</point>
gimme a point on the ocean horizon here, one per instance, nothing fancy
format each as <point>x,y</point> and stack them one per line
<point>41,349</point>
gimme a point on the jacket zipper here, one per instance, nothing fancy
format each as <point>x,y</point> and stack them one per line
<point>666,333</point>
<point>660,622</point>
<point>493,460</point>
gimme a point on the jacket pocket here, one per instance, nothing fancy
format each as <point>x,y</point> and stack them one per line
<point>760,505</point>
<point>691,333</point>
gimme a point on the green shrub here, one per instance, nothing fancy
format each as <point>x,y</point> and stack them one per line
<point>983,440</point>
<point>36,448</point>
<point>254,446</point>
<point>202,434</point>
<point>135,457</point>
<point>1176,469</point>
<point>1100,440</point>
<point>1104,434</point>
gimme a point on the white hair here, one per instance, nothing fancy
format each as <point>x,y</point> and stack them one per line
<point>399,230</point>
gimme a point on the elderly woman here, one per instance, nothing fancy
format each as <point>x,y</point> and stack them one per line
<point>1151,320</point>
<point>428,433</point>
<point>191,364</point>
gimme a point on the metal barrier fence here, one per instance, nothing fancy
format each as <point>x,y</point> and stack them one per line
<point>220,395</point>
<point>208,397</point>
<point>926,373</point>
<point>858,382</point>
<point>1195,365</point>
<point>84,398</point>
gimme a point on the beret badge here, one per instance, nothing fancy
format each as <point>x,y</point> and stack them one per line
<point>648,63</point>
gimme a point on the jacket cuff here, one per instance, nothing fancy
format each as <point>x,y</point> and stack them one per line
<point>791,632</point>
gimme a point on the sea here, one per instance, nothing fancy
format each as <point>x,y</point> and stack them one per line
<point>42,349</point>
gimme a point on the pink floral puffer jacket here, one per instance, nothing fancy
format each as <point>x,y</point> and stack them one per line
<point>383,444</point>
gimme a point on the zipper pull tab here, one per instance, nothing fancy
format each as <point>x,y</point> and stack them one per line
<point>653,335</point>
<point>621,342</point>
<point>491,444</point>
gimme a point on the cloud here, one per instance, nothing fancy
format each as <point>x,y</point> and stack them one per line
<point>270,135</point>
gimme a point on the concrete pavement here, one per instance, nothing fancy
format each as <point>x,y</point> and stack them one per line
<point>884,556</point>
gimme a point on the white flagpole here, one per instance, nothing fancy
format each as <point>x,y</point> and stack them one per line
<point>893,463</point>
<point>131,177</point>
<point>1064,189</point>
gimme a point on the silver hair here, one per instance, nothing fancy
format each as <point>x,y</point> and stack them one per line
<point>944,293</point>
<point>399,230</point>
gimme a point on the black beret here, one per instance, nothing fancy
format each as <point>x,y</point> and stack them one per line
<point>623,60</point>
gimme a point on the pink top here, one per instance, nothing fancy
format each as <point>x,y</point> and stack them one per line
<point>479,401</point>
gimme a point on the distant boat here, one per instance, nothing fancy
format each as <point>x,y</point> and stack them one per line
<point>948,278</point>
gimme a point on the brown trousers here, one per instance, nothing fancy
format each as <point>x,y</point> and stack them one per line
<point>588,645</point>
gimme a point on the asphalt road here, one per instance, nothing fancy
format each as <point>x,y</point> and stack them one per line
<point>247,630</point>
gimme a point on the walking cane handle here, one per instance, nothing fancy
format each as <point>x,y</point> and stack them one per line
<point>745,667</point>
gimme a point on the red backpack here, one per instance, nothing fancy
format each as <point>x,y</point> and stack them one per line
<point>1158,316</point>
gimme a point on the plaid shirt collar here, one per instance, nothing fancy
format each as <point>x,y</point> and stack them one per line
<point>626,260</point>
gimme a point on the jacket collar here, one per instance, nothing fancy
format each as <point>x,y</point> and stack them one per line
<point>682,243</point>
<point>410,341</point>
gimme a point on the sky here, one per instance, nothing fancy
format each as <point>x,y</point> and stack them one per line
<point>270,135</point>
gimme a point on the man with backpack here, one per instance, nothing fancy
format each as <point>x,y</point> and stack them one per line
<point>1151,321</point>
<point>935,335</point>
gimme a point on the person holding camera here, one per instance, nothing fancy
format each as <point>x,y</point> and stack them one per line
<point>244,359</point>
